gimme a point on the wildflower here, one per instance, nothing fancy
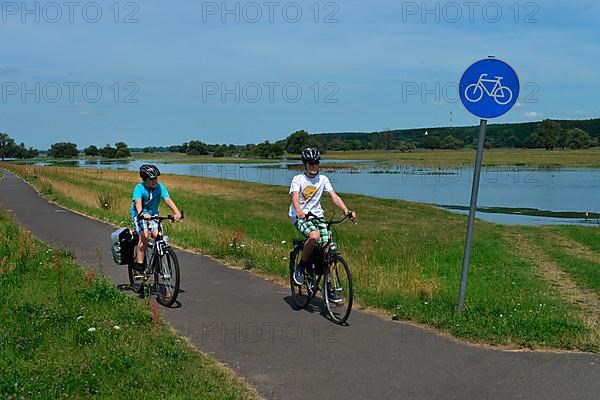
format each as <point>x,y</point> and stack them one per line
<point>283,242</point>
<point>92,329</point>
<point>80,318</point>
<point>117,328</point>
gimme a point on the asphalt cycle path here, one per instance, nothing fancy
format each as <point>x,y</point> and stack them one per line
<point>250,324</point>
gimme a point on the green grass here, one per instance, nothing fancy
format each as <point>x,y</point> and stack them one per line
<point>405,257</point>
<point>585,236</point>
<point>68,333</point>
<point>585,272</point>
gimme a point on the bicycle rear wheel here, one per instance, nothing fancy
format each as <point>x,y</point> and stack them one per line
<point>135,284</point>
<point>338,281</point>
<point>166,278</point>
<point>300,293</point>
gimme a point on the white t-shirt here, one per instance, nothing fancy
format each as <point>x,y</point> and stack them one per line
<point>309,191</point>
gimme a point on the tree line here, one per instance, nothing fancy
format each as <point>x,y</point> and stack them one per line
<point>548,134</point>
<point>264,150</point>
<point>9,149</point>
<point>69,150</point>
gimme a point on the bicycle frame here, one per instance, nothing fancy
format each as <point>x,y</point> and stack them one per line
<point>497,84</point>
<point>157,247</point>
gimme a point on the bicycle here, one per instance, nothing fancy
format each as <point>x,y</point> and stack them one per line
<point>334,272</point>
<point>501,94</point>
<point>162,264</point>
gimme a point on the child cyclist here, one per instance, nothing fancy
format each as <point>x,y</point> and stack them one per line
<point>306,191</point>
<point>144,204</point>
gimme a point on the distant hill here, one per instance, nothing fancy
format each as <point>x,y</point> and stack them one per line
<point>499,135</point>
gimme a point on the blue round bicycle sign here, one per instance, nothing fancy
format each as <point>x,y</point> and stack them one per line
<point>489,88</point>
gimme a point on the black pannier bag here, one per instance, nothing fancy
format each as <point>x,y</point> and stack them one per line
<point>122,245</point>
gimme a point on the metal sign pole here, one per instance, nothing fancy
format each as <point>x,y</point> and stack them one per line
<point>472,210</point>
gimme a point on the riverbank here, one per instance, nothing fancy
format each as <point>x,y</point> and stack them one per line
<point>589,158</point>
<point>405,257</point>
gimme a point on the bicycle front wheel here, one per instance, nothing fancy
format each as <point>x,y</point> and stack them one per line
<point>338,290</point>
<point>166,278</point>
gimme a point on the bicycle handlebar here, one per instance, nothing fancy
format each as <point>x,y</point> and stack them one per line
<point>168,217</point>
<point>331,222</point>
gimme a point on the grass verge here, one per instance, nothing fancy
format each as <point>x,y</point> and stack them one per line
<point>67,333</point>
<point>405,257</point>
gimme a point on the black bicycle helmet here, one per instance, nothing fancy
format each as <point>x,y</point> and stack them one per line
<point>311,154</point>
<point>149,171</point>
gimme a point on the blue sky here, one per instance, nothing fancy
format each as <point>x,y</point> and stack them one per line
<point>175,60</point>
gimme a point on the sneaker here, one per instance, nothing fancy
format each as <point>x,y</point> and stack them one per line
<point>299,274</point>
<point>332,296</point>
<point>137,267</point>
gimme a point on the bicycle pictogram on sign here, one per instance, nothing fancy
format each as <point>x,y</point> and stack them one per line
<point>501,94</point>
<point>489,88</point>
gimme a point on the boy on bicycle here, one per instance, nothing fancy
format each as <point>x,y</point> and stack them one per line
<point>306,191</point>
<point>144,204</point>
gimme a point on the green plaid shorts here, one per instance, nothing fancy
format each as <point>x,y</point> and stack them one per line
<point>313,224</point>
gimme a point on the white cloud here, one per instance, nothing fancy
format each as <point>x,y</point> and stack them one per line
<point>534,115</point>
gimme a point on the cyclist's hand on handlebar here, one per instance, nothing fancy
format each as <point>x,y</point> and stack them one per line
<point>177,217</point>
<point>351,215</point>
<point>301,215</point>
<point>146,216</point>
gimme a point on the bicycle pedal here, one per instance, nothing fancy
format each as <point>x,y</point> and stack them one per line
<point>138,276</point>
